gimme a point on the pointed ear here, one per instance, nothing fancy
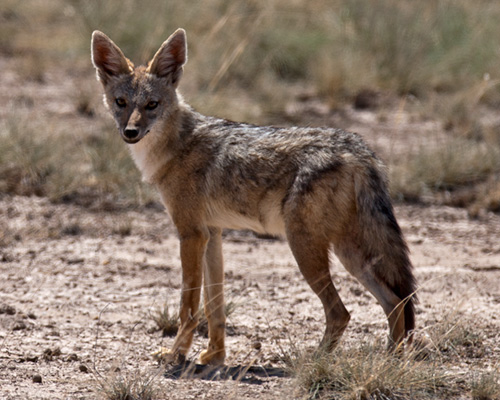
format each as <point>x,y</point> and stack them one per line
<point>107,58</point>
<point>169,59</point>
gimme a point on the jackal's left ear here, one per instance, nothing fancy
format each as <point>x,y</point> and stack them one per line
<point>107,58</point>
<point>169,59</point>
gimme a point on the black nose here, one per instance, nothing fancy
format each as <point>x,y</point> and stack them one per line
<point>131,134</point>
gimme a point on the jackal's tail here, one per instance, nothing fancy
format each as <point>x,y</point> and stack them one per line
<point>383,240</point>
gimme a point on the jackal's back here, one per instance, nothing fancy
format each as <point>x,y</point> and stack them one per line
<point>236,155</point>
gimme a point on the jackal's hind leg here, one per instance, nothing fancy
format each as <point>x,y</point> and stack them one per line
<point>311,255</point>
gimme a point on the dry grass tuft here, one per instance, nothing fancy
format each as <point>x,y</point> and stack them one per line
<point>486,386</point>
<point>422,372</point>
<point>166,321</point>
<point>368,372</point>
<point>338,47</point>
<point>27,159</point>
<point>119,387</point>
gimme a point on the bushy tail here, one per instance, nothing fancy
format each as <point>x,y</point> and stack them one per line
<point>383,238</point>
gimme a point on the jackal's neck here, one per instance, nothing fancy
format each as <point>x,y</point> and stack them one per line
<point>157,149</point>
<point>186,119</point>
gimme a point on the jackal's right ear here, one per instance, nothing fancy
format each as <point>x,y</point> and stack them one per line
<point>107,58</point>
<point>169,59</point>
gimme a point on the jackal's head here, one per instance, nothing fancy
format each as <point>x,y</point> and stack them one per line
<point>143,98</point>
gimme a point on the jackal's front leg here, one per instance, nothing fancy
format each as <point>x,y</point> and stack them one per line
<point>193,247</point>
<point>213,289</point>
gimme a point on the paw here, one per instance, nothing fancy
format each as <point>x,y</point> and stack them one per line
<point>167,356</point>
<point>164,355</point>
<point>212,357</point>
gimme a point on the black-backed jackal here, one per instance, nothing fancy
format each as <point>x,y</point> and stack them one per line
<point>321,188</point>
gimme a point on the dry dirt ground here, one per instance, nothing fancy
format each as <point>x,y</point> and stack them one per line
<point>78,288</point>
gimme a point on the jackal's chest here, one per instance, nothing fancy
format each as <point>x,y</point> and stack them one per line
<point>148,157</point>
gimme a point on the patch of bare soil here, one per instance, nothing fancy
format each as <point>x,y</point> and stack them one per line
<point>78,289</point>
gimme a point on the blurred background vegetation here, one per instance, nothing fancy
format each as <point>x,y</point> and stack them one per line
<point>247,61</point>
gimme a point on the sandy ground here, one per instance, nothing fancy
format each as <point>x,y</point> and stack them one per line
<point>78,289</point>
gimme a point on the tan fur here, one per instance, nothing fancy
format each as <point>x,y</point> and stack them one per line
<point>318,187</point>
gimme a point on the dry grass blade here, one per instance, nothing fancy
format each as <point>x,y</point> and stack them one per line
<point>455,337</point>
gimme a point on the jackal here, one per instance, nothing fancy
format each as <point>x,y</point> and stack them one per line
<point>320,188</point>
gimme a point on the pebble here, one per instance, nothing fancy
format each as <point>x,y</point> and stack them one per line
<point>6,309</point>
<point>83,368</point>
<point>72,357</point>
<point>37,378</point>
<point>257,345</point>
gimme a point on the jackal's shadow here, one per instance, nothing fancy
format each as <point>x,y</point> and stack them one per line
<point>253,374</point>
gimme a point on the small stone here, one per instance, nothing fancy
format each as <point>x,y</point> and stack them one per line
<point>37,378</point>
<point>6,258</point>
<point>83,368</point>
<point>19,326</point>
<point>50,354</point>
<point>257,345</point>
<point>6,309</point>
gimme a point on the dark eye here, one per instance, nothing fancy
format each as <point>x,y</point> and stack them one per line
<point>120,102</point>
<point>151,105</point>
